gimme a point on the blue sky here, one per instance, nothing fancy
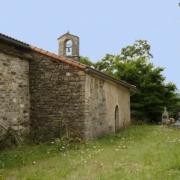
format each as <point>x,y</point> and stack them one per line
<point>104,26</point>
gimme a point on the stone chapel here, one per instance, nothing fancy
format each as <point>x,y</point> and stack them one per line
<point>39,90</point>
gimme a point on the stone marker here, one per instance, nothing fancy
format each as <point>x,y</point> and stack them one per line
<point>177,123</point>
<point>165,116</point>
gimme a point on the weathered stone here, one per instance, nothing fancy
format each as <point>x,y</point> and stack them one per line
<point>71,51</point>
<point>101,99</point>
<point>165,116</point>
<point>40,94</point>
<point>56,99</point>
<point>14,91</point>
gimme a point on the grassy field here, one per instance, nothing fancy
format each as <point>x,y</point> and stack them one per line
<point>140,152</point>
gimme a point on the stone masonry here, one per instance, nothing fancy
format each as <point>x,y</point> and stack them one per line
<point>75,45</point>
<point>42,93</point>
<point>57,93</point>
<point>14,92</point>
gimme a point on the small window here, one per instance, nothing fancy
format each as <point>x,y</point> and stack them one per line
<point>68,46</point>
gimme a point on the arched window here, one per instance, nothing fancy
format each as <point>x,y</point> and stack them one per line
<point>116,114</point>
<point>68,46</point>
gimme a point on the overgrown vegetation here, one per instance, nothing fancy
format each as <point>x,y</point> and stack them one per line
<point>69,137</point>
<point>134,65</point>
<point>9,137</point>
<point>139,152</point>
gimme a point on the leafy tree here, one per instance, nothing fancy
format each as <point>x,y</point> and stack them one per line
<point>133,65</point>
<point>87,61</point>
<point>140,48</point>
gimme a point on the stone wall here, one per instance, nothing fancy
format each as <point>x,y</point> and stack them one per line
<point>101,99</point>
<point>14,92</point>
<point>57,93</point>
<point>41,95</point>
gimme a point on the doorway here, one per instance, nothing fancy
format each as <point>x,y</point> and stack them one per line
<point>116,119</point>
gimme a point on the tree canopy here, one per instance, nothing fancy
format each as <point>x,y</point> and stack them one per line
<point>133,64</point>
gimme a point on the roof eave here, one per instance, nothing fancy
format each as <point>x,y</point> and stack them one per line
<point>66,60</point>
<point>107,77</point>
<point>13,41</point>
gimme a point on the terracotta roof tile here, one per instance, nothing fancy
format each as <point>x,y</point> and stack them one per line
<point>43,52</point>
<point>59,58</point>
<point>64,59</point>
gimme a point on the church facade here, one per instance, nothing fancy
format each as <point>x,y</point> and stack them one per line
<point>41,92</point>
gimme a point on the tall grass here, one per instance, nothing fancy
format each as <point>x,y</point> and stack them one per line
<point>139,152</point>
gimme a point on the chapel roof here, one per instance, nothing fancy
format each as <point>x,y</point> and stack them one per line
<point>68,34</point>
<point>64,59</point>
